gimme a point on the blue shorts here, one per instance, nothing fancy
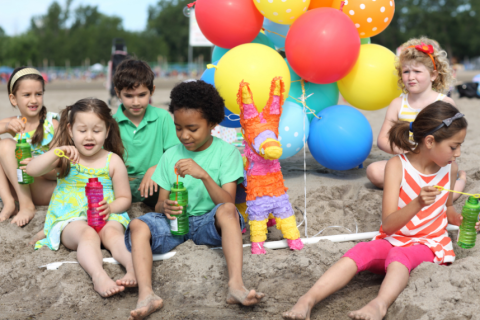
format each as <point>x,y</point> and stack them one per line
<point>202,231</point>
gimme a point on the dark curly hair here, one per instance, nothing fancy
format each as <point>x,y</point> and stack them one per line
<point>201,96</point>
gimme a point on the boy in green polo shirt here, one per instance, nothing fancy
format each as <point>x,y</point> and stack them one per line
<point>147,132</point>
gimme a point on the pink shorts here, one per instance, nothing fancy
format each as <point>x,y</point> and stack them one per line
<point>376,255</point>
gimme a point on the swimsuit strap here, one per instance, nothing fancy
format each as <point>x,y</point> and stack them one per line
<point>107,165</point>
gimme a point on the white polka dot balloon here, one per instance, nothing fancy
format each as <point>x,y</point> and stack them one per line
<point>290,129</point>
<point>370,17</point>
<point>282,11</point>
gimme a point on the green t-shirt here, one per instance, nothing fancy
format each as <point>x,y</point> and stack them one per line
<point>146,143</point>
<point>221,160</point>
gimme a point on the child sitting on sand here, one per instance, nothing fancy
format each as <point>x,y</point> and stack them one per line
<point>415,214</point>
<point>424,76</point>
<point>210,169</point>
<point>89,136</point>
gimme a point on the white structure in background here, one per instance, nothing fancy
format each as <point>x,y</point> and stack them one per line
<point>196,37</point>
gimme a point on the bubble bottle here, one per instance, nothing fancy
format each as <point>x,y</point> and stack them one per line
<point>22,152</point>
<point>94,193</point>
<point>468,234</point>
<point>179,193</point>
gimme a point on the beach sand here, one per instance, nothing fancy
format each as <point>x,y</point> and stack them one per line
<point>193,283</point>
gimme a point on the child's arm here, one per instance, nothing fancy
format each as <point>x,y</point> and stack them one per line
<point>453,216</point>
<point>49,161</point>
<point>148,186</point>
<point>383,142</point>
<point>166,206</point>
<point>392,218</point>
<point>223,194</point>
<point>121,189</point>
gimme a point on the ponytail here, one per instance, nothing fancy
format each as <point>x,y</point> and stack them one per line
<point>62,138</point>
<point>399,136</point>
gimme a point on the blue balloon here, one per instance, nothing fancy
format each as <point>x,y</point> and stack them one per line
<point>282,29</point>
<point>231,120</point>
<point>219,52</point>
<point>290,129</point>
<point>341,139</point>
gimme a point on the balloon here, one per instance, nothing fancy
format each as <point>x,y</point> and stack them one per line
<point>261,38</point>
<point>319,96</point>
<point>365,41</point>
<point>341,139</point>
<point>254,63</point>
<point>370,17</point>
<point>229,121</point>
<point>373,82</point>
<point>290,129</point>
<point>283,12</point>
<point>282,29</point>
<point>293,75</point>
<point>322,46</point>
<point>228,24</point>
<point>319,3</point>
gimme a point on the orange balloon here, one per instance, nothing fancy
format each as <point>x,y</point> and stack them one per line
<point>319,3</point>
<point>370,17</point>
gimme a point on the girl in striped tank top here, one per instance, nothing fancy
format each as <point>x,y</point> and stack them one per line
<point>415,214</point>
<point>424,75</point>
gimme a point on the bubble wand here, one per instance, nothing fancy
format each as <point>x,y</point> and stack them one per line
<point>61,154</point>
<point>177,183</point>
<point>468,194</point>
<point>24,120</point>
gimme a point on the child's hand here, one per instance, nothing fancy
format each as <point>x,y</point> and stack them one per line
<point>170,207</point>
<point>427,196</point>
<point>190,167</point>
<point>456,220</point>
<point>25,162</point>
<point>148,184</point>
<point>477,226</point>
<point>104,209</point>
<point>15,125</point>
<point>71,152</point>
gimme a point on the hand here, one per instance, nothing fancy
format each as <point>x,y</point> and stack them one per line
<point>148,184</point>
<point>477,226</point>
<point>25,162</point>
<point>72,153</point>
<point>15,125</point>
<point>456,220</point>
<point>190,167</point>
<point>170,207</point>
<point>427,196</point>
<point>104,209</point>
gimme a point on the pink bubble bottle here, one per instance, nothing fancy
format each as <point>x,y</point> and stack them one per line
<point>94,193</point>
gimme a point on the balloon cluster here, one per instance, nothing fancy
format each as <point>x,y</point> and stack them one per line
<point>328,51</point>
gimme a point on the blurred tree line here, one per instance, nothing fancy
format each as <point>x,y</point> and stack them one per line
<point>64,36</point>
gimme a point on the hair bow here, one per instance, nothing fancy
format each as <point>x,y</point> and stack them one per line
<point>447,122</point>
<point>427,49</point>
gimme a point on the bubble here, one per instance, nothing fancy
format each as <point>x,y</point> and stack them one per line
<point>187,12</point>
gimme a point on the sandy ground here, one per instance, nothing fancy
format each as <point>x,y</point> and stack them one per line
<point>193,283</point>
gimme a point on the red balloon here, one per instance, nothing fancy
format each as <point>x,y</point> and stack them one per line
<point>322,45</point>
<point>228,23</point>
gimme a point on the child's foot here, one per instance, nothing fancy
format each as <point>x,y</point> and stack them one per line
<point>301,310</point>
<point>257,248</point>
<point>296,244</point>
<point>372,311</point>
<point>129,280</point>
<point>24,216</point>
<point>106,287</point>
<point>243,296</point>
<point>8,210</point>
<point>39,236</point>
<point>146,307</point>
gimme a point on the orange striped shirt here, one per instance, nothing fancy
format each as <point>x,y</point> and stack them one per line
<point>429,225</point>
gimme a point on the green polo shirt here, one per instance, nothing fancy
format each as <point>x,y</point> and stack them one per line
<point>146,143</point>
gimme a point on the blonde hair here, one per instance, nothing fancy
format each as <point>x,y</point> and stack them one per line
<point>443,81</point>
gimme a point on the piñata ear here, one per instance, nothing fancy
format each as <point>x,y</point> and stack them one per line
<point>275,101</point>
<point>248,110</point>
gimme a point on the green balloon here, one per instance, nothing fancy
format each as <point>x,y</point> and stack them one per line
<point>219,52</point>
<point>365,41</point>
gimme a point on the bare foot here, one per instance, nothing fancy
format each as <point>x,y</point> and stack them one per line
<point>128,281</point>
<point>8,210</point>
<point>39,236</point>
<point>24,216</point>
<point>301,309</point>
<point>243,296</point>
<point>106,287</point>
<point>146,307</point>
<point>374,310</point>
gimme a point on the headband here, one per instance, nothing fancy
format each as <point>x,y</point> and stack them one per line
<point>445,123</point>
<point>427,49</point>
<point>22,73</point>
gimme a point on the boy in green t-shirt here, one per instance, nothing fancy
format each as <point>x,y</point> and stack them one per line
<point>147,132</point>
<point>210,169</point>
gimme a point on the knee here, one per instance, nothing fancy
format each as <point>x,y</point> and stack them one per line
<point>228,211</point>
<point>89,234</point>
<point>7,146</point>
<point>137,226</point>
<point>375,175</point>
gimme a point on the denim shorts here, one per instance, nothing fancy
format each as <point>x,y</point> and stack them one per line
<point>202,231</point>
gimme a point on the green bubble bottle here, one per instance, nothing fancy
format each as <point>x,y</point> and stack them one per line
<point>179,226</point>
<point>468,234</point>
<point>22,152</point>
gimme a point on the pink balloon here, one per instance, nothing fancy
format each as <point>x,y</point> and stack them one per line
<point>322,45</point>
<point>228,23</point>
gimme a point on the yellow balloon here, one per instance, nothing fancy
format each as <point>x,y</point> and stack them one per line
<point>282,11</point>
<point>372,83</point>
<point>254,63</point>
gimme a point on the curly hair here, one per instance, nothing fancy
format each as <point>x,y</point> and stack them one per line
<point>444,80</point>
<point>199,95</point>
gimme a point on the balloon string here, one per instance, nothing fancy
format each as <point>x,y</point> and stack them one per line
<point>468,194</point>
<point>234,119</point>
<point>303,101</point>
<point>278,34</point>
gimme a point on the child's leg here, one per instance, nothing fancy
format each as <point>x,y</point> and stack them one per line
<point>364,256</point>
<point>8,200</point>
<point>227,222</point>
<point>42,190</point>
<point>113,238</point>
<point>79,236</point>
<point>376,173</point>
<point>9,165</point>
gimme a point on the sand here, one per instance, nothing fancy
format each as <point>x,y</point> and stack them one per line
<point>193,283</point>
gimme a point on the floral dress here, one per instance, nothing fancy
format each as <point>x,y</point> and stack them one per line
<point>48,132</point>
<point>69,202</point>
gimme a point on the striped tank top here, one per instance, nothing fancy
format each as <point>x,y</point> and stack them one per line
<point>408,113</point>
<point>429,225</point>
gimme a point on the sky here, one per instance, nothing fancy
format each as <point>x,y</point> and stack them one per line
<point>15,14</point>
